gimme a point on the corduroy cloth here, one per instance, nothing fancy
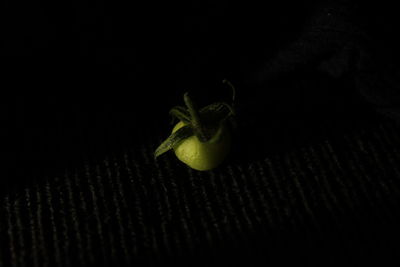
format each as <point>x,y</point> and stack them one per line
<point>331,203</point>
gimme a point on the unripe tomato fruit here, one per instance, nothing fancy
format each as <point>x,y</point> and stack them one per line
<point>202,156</point>
<point>201,139</point>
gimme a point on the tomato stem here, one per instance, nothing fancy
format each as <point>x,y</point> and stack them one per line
<point>196,121</point>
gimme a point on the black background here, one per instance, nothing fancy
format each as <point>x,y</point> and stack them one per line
<point>103,69</point>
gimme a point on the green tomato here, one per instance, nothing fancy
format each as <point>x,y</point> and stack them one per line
<point>201,139</point>
<point>202,156</point>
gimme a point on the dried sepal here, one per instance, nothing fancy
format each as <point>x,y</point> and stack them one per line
<point>181,113</point>
<point>196,121</point>
<point>173,140</point>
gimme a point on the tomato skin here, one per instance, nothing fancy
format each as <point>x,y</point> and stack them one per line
<point>202,156</point>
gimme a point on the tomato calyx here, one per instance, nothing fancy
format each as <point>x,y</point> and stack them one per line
<point>205,123</point>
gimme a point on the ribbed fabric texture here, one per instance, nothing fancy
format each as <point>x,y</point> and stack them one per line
<point>328,203</point>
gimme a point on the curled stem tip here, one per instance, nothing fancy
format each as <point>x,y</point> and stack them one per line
<point>233,90</point>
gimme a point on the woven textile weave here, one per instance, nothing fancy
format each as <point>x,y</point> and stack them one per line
<point>333,202</point>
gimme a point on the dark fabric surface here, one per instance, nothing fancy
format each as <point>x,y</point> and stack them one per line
<point>313,178</point>
<point>332,203</point>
